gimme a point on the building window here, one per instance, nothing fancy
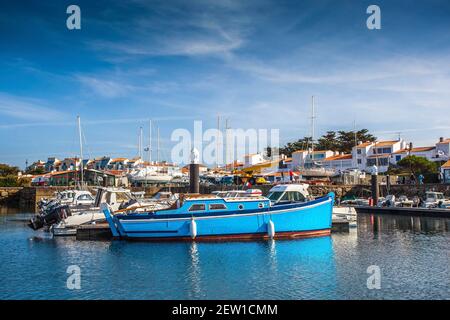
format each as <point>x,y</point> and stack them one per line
<point>398,158</point>
<point>359,161</point>
<point>358,151</point>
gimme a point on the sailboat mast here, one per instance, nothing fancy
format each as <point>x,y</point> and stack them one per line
<point>157,155</point>
<point>81,151</point>
<point>312,124</point>
<point>150,142</point>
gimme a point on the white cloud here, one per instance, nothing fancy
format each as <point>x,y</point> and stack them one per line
<point>27,108</point>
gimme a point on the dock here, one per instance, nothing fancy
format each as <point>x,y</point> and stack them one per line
<point>99,231</point>
<point>420,212</point>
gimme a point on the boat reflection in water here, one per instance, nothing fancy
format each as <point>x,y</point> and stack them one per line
<point>384,223</point>
<point>255,270</point>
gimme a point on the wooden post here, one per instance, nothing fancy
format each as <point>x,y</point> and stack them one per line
<point>375,189</point>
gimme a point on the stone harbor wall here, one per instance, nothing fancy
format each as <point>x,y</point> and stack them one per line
<point>9,196</point>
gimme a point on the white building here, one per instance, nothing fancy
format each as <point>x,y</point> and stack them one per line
<point>253,159</point>
<point>368,154</point>
<point>425,152</point>
<point>338,162</point>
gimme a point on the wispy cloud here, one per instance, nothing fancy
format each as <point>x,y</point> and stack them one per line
<point>27,108</point>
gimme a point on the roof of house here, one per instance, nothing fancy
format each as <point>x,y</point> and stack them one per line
<point>386,143</point>
<point>119,160</point>
<point>446,165</point>
<point>315,151</point>
<point>364,144</point>
<point>339,157</point>
<point>445,141</point>
<point>418,149</point>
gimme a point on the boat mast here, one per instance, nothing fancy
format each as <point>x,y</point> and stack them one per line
<point>217,142</point>
<point>312,130</point>
<point>81,152</point>
<point>157,151</point>
<point>150,142</point>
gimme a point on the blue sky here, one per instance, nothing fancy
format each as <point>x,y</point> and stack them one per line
<point>256,63</point>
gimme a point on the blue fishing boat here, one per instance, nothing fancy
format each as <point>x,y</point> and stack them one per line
<point>286,213</point>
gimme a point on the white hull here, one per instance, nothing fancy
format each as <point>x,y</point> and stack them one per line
<point>153,179</point>
<point>69,226</point>
<point>347,213</point>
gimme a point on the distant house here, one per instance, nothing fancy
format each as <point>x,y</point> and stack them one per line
<point>443,149</point>
<point>37,165</point>
<point>52,164</point>
<point>339,162</point>
<point>72,177</point>
<point>70,164</point>
<point>425,152</point>
<point>133,163</point>
<point>368,154</point>
<point>309,158</point>
<point>100,163</point>
<point>118,164</point>
<point>445,171</point>
<point>253,159</point>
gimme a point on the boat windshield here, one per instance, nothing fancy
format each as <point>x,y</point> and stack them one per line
<point>275,196</point>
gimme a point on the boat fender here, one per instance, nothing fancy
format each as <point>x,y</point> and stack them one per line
<point>193,229</point>
<point>270,229</point>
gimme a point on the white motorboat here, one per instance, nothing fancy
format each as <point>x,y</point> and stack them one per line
<point>435,200</point>
<point>64,222</point>
<point>347,213</point>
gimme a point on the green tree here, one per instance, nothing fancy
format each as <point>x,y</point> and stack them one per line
<point>6,170</point>
<point>328,142</point>
<point>417,165</point>
<point>35,171</point>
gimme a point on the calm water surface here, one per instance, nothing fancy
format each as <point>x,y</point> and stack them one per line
<point>412,253</point>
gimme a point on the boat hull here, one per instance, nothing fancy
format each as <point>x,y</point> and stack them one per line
<point>288,221</point>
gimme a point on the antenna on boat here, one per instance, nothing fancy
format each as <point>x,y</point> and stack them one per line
<point>81,152</point>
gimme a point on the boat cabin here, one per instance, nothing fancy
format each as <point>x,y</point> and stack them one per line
<point>288,193</point>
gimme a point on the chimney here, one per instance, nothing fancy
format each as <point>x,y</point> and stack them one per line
<point>359,142</point>
<point>441,139</point>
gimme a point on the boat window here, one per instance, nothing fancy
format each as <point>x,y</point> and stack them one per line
<point>121,196</point>
<point>217,206</point>
<point>197,207</point>
<point>240,206</point>
<point>296,196</point>
<point>84,197</point>
<point>285,197</point>
<point>274,196</point>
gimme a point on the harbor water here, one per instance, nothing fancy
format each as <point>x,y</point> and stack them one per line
<point>412,254</point>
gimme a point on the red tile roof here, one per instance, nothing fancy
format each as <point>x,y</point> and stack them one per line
<point>339,157</point>
<point>418,149</point>
<point>446,165</point>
